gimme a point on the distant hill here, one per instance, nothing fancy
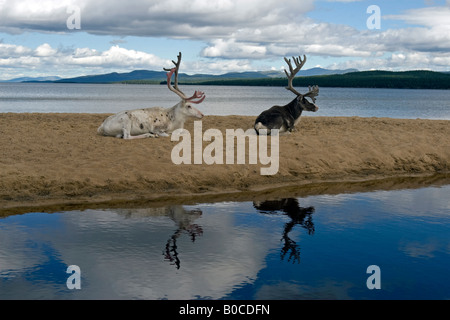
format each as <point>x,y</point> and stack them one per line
<point>27,79</point>
<point>160,76</point>
<point>363,79</point>
<point>117,77</point>
<point>316,76</point>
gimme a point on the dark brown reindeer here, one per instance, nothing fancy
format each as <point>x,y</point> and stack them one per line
<point>285,118</point>
<point>298,215</point>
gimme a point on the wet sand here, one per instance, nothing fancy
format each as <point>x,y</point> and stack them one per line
<point>59,159</point>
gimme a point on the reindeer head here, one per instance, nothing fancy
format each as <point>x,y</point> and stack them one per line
<point>189,111</point>
<point>185,105</point>
<point>306,104</point>
<point>302,100</point>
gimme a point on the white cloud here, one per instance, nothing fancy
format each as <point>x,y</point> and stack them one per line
<point>174,18</point>
<point>238,31</point>
<point>45,50</point>
<point>229,48</point>
<point>44,56</point>
<point>220,66</point>
<point>84,52</point>
<point>115,57</point>
<point>65,62</point>
<point>432,17</point>
<point>21,62</point>
<point>11,51</point>
<point>398,61</point>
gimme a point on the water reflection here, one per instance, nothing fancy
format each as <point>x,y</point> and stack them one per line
<point>184,220</point>
<point>298,216</point>
<point>235,250</point>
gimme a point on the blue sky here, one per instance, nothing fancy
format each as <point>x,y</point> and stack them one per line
<point>219,36</point>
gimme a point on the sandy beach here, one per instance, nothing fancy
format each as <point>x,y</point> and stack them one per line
<point>49,159</point>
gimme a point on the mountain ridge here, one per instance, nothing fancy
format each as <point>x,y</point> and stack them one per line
<point>159,76</point>
<point>415,79</point>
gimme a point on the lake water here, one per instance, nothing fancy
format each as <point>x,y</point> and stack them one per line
<point>222,100</point>
<point>311,247</point>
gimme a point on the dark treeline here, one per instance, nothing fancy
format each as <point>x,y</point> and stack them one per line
<point>363,79</point>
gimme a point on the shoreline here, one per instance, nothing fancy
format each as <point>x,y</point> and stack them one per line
<point>59,160</point>
<point>280,192</point>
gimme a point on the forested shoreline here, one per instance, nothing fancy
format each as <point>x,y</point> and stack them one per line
<point>362,79</point>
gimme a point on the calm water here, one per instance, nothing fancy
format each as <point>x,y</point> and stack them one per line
<point>111,98</point>
<point>315,247</point>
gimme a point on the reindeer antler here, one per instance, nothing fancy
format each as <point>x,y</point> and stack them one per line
<point>169,76</point>
<point>298,65</point>
<point>313,93</point>
<point>197,94</point>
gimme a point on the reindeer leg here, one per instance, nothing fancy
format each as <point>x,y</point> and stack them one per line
<point>162,134</point>
<point>288,126</point>
<point>145,135</point>
<point>127,136</point>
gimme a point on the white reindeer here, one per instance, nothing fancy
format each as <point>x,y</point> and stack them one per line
<point>156,121</point>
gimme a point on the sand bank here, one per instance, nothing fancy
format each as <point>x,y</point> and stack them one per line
<point>50,159</point>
